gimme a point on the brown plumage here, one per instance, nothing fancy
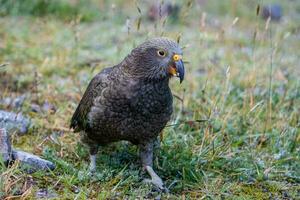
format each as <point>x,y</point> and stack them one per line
<point>131,101</point>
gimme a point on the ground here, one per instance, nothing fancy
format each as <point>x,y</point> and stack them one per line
<point>235,131</point>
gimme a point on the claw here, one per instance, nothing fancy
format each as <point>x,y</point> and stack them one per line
<point>155,179</point>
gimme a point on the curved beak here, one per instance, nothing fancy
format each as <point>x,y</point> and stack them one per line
<point>177,67</point>
<point>180,70</point>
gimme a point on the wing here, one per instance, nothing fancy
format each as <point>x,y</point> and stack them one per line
<point>80,116</point>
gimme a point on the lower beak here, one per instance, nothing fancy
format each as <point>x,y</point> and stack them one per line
<point>180,69</point>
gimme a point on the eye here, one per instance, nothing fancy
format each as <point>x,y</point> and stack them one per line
<point>161,53</point>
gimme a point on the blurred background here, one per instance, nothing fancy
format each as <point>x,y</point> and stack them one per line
<point>235,128</point>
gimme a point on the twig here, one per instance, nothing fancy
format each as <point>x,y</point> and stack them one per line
<point>189,121</point>
<point>177,97</point>
<point>63,129</point>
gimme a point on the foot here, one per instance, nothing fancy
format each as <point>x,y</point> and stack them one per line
<point>155,179</point>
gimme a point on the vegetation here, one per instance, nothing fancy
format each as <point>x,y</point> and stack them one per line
<point>235,133</point>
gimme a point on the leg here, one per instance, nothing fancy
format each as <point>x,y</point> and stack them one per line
<point>146,155</point>
<point>93,149</point>
<point>156,147</point>
<point>93,153</point>
<point>156,143</point>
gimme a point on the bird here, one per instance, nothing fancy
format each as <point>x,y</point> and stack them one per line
<point>131,101</point>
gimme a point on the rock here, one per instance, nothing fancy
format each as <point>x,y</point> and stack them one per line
<point>45,108</point>
<point>18,102</point>
<point>273,10</point>
<point>48,108</point>
<point>36,108</point>
<point>6,101</point>
<point>32,162</point>
<point>13,102</point>
<point>5,147</point>
<point>14,122</point>
<point>45,193</point>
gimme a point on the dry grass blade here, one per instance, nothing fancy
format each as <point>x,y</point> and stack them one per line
<point>257,9</point>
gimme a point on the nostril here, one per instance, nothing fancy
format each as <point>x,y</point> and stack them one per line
<point>176,57</point>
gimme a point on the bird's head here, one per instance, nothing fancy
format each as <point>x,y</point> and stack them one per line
<point>156,59</point>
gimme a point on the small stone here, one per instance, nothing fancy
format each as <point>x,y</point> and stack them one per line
<point>36,108</point>
<point>18,102</point>
<point>32,162</point>
<point>46,194</point>
<point>158,197</point>
<point>5,147</point>
<point>13,102</point>
<point>47,107</point>
<point>6,101</point>
<point>14,122</point>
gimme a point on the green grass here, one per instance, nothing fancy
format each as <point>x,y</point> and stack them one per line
<point>62,9</point>
<point>245,88</point>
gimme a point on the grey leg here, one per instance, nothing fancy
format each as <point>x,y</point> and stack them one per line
<point>93,153</point>
<point>146,155</point>
<point>93,149</point>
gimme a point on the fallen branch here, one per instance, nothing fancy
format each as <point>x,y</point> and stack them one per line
<point>32,162</point>
<point>28,161</point>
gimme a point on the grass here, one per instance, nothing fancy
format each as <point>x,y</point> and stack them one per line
<point>242,83</point>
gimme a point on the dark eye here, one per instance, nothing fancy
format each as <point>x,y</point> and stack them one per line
<point>161,53</point>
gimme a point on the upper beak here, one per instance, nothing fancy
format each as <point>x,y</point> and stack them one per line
<point>180,70</point>
<point>179,67</point>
